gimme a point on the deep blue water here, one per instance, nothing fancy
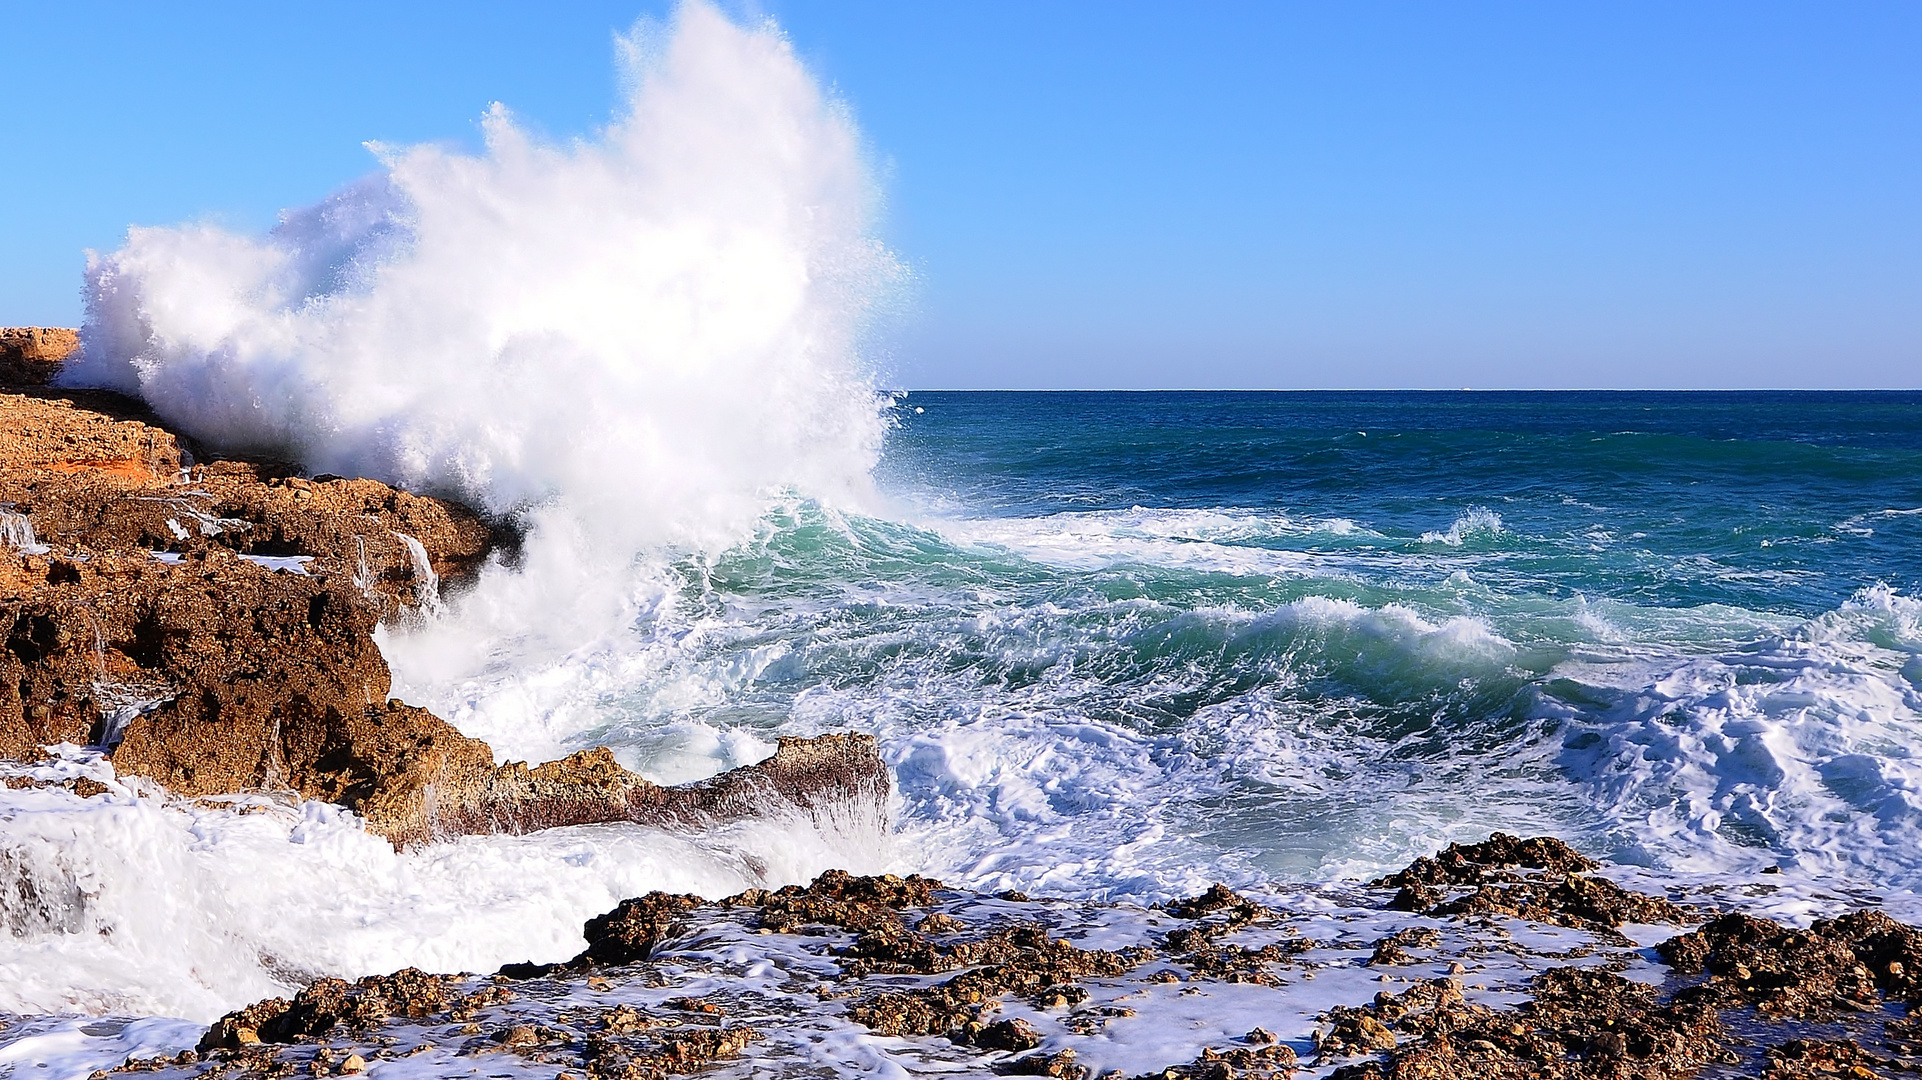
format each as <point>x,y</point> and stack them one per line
<point>1787,493</point>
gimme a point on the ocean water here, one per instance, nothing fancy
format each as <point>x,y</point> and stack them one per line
<point>1122,645</point>
<point>1310,635</point>
<point>1114,646</point>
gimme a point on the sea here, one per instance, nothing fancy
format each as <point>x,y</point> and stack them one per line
<point>1115,646</point>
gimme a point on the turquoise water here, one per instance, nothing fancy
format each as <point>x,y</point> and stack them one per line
<point>1116,644</point>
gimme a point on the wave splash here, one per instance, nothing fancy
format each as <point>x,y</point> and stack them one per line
<point>628,341</point>
<point>134,902</point>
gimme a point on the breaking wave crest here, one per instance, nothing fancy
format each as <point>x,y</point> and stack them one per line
<point>629,341</point>
<point>1797,749</point>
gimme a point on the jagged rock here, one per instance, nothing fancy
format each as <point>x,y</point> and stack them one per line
<point>590,786</point>
<point>1583,1024</point>
<point>1393,949</point>
<point>91,482</point>
<point>1843,964</point>
<point>838,898</point>
<point>1549,886</point>
<point>211,675</point>
<point>217,675</point>
<point>1061,1064</point>
<point>1020,960</point>
<point>630,931</point>
<point>1576,1022</point>
<point>1265,1060</point>
<point>1471,864</point>
<point>1573,900</point>
<point>326,1003</point>
<point>1813,1058</point>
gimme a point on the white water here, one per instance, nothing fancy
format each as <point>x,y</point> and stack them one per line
<point>630,340</point>
<point>16,532</point>
<point>132,902</point>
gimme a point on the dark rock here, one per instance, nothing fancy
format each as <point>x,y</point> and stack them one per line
<point>1016,1034</point>
<point>1843,964</point>
<point>1393,949</point>
<point>1808,1059</point>
<point>629,933</point>
<point>1575,901</point>
<point>1467,864</point>
<point>327,1003</point>
<point>1060,1064</point>
<point>1582,1024</point>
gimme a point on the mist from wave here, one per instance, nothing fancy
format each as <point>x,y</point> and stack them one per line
<point>627,342</point>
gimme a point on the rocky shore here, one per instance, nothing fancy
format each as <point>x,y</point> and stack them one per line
<point>207,622</point>
<point>1509,958</point>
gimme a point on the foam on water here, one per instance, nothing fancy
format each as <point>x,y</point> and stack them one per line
<point>136,903</point>
<point>1798,748</point>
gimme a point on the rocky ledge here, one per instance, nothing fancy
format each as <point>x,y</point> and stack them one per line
<point>1518,960</point>
<point>208,623</point>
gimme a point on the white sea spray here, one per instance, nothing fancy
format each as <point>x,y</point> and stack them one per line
<point>630,340</point>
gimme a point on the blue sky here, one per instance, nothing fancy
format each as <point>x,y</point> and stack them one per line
<point>1135,195</point>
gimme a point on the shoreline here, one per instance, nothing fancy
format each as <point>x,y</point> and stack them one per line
<point>183,625</point>
<point>1523,958</point>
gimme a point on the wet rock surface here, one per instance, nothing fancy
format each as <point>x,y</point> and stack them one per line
<point>1852,964</point>
<point>856,974</point>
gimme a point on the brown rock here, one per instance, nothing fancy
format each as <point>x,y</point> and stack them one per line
<point>31,355</point>
<point>89,480</point>
<point>629,932</point>
<point>1021,959</point>
<point>1351,1032</point>
<point>1015,1034</point>
<point>470,797</point>
<point>1540,879</point>
<point>1469,864</point>
<point>1061,1064</point>
<point>1572,900</point>
<point>1584,1024</point>
<point>1393,949</point>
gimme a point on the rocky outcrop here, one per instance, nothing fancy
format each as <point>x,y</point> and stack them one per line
<point>458,797</point>
<point>966,984</point>
<point>87,481</point>
<point>29,355</point>
<point>210,624</point>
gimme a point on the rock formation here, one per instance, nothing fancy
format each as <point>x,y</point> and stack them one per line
<point>958,983</point>
<point>210,624</point>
